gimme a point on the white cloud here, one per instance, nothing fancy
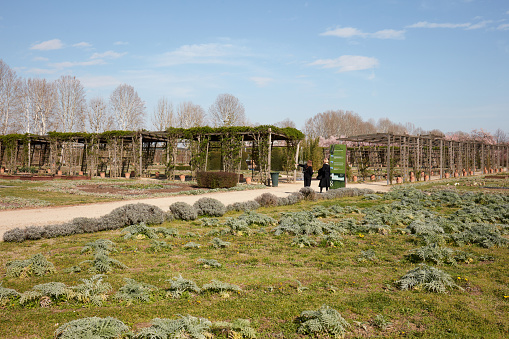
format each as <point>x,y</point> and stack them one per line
<point>120,43</point>
<point>261,81</point>
<point>68,64</point>
<point>347,63</point>
<point>503,27</point>
<point>40,59</point>
<point>48,45</point>
<point>212,53</point>
<point>425,24</point>
<point>389,34</point>
<point>480,24</point>
<point>350,32</point>
<point>82,44</point>
<point>345,32</point>
<point>107,55</point>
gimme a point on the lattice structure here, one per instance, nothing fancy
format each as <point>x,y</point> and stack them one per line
<point>116,153</point>
<point>409,158</point>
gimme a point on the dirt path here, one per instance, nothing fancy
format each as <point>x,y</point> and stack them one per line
<point>52,215</point>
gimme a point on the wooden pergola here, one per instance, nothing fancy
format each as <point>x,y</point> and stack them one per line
<point>401,155</point>
<point>120,152</point>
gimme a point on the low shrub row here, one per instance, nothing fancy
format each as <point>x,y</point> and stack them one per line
<point>132,214</point>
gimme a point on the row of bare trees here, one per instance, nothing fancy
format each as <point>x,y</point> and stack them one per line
<point>38,106</point>
<point>341,123</point>
<point>226,111</point>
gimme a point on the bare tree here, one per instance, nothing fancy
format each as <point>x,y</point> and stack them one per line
<point>38,104</point>
<point>227,111</point>
<point>98,117</point>
<point>501,137</point>
<point>128,109</point>
<point>10,88</point>
<point>71,104</point>
<point>286,123</point>
<point>164,115</point>
<point>190,115</point>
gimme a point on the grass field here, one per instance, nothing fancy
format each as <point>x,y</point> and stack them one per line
<point>279,280</point>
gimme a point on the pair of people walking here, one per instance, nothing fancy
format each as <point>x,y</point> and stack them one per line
<point>323,174</point>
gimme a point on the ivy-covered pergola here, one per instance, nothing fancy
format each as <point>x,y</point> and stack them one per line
<point>413,157</point>
<point>119,152</point>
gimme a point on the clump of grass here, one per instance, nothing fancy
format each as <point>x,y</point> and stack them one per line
<point>191,245</point>
<point>218,243</point>
<point>206,263</point>
<point>158,246</point>
<point>220,287</point>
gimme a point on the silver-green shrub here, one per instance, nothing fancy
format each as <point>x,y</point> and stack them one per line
<point>93,327</point>
<point>427,278</point>
<point>250,205</point>
<point>179,285</point>
<point>183,211</point>
<point>134,291</point>
<point>36,265</point>
<point>267,200</point>
<point>325,320</point>
<point>209,206</point>
<point>184,327</point>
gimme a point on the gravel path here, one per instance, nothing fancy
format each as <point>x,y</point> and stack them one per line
<point>52,215</point>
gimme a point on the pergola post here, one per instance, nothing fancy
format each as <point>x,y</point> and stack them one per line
<point>388,158</point>
<point>296,161</point>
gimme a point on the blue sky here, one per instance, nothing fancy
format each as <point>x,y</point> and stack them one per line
<point>439,64</point>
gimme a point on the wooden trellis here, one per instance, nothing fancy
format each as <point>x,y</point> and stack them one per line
<point>116,153</point>
<point>387,155</point>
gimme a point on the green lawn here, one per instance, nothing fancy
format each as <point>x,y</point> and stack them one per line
<point>278,281</point>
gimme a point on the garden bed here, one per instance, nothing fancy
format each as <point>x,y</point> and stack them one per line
<point>43,177</point>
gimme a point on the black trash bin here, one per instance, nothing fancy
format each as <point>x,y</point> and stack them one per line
<point>274,177</point>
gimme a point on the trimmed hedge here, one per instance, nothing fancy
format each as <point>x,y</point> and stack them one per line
<point>217,179</point>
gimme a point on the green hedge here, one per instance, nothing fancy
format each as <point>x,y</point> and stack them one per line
<point>217,179</point>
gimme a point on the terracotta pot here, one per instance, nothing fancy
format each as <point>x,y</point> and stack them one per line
<point>412,179</point>
<point>426,177</point>
<point>127,175</point>
<point>456,174</point>
<point>102,174</point>
<point>48,170</point>
<point>182,177</point>
<point>399,180</point>
<point>59,172</point>
<point>373,177</point>
<point>80,173</point>
<point>2,170</point>
<point>248,180</point>
<point>447,175</point>
<point>157,175</point>
<point>491,170</point>
<point>354,178</point>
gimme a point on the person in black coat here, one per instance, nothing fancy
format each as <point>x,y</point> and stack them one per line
<point>324,175</point>
<point>308,172</point>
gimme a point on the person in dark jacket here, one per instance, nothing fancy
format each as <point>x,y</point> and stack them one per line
<point>308,172</point>
<point>324,175</point>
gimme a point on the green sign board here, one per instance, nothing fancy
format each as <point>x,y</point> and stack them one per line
<point>337,162</point>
